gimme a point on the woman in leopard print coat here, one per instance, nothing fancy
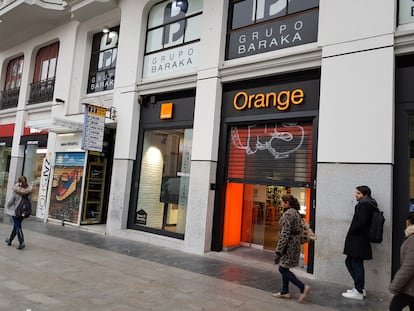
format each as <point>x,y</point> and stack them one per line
<point>288,247</point>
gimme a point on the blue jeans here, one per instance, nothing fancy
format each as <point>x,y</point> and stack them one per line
<point>17,229</point>
<point>355,267</point>
<point>289,276</point>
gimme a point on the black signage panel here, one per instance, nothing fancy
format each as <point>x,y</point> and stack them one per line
<point>270,96</point>
<point>280,34</point>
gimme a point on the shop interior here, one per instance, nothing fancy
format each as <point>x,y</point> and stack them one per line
<point>252,216</point>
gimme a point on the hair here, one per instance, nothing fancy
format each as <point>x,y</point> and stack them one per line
<point>293,202</point>
<point>365,190</point>
<point>23,181</point>
<point>410,218</point>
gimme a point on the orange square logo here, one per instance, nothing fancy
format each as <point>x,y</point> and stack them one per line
<point>166,111</point>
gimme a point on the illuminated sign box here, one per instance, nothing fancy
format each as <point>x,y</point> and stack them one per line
<point>166,111</point>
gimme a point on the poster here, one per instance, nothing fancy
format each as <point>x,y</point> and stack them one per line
<point>67,186</point>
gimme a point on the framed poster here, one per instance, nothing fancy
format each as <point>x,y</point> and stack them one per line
<point>67,186</point>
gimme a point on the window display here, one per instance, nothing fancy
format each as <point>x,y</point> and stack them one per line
<point>5,155</point>
<point>164,180</point>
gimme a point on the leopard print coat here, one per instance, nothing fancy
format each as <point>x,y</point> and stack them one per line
<point>288,244</point>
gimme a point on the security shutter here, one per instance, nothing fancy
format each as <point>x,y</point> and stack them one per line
<point>272,153</point>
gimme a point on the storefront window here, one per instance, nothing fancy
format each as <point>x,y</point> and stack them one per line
<point>5,155</point>
<point>258,26</point>
<point>405,12</point>
<point>173,36</point>
<point>103,60</point>
<point>33,162</point>
<point>164,180</point>
<point>411,165</point>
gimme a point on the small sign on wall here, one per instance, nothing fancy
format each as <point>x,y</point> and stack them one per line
<point>93,128</point>
<point>166,111</point>
<point>141,217</point>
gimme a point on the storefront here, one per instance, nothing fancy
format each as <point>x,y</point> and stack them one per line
<point>162,170</point>
<point>80,180</point>
<point>35,149</point>
<point>404,152</point>
<point>6,139</point>
<point>267,149</point>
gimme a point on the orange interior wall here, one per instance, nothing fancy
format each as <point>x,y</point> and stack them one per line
<point>233,215</point>
<point>308,210</point>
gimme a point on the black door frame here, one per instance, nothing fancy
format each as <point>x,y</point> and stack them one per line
<point>219,203</point>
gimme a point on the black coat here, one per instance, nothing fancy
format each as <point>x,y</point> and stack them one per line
<point>357,244</point>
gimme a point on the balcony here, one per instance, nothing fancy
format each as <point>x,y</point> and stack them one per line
<point>22,20</point>
<point>42,91</point>
<point>9,98</point>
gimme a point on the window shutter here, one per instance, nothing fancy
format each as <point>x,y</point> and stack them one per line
<point>273,153</point>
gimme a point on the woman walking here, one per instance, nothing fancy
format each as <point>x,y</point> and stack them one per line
<point>21,188</point>
<point>288,247</point>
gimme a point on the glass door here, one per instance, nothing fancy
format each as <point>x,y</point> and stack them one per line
<point>259,210</point>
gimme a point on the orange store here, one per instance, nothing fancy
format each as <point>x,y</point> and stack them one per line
<point>267,148</point>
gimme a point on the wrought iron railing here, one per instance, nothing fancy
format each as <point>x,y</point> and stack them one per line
<point>9,98</point>
<point>42,91</point>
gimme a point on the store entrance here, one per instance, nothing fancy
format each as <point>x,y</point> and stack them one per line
<point>253,212</point>
<point>97,182</point>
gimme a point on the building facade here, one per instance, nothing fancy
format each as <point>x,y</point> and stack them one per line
<point>181,123</point>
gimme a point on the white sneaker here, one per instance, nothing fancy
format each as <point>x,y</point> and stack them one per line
<point>363,291</point>
<point>353,294</point>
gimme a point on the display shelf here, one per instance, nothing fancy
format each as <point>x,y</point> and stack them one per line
<point>94,191</point>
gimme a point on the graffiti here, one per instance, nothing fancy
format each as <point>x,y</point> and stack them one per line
<point>267,140</point>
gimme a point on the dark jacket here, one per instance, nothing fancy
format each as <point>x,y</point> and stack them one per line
<point>357,244</point>
<point>404,278</point>
<point>288,245</point>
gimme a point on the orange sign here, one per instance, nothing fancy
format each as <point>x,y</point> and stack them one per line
<point>166,111</point>
<point>281,100</point>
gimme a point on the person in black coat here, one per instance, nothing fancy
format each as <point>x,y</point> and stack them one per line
<point>357,245</point>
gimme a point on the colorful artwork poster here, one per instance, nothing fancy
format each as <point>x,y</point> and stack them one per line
<point>66,186</point>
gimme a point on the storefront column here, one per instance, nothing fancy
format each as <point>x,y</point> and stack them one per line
<point>17,154</point>
<point>126,104</point>
<point>355,147</point>
<point>203,163</point>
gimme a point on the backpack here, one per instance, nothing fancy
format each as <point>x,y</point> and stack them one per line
<point>306,232</point>
<point>376,228</point>
<point>24,209</point>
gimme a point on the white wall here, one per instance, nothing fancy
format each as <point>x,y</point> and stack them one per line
<point>356,130</point>
<point>356,107</point>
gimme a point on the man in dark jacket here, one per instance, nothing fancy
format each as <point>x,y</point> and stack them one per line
<point>357,245</point>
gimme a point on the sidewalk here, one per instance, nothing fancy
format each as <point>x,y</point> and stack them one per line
<point>66,268</point>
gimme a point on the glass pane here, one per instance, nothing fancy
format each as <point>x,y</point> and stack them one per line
<point>5,156</point>
<point>164,179</point>
<point>156,16</point>
<point>174,33</point>
<point>411,165</point>
<point>243,14</point>
<point>33,162</point>
<point>267,10</point>
<point>52,68</point>
<point>154,40</point>
<point>45,67</point>
<point>300,5</point>
<point>193,28</point>
<point>252,215</point>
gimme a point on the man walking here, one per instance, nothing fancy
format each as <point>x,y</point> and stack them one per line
<point>357,244</point>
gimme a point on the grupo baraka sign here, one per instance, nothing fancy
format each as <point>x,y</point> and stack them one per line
<point>276,35</point>
<point>173,37</point>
